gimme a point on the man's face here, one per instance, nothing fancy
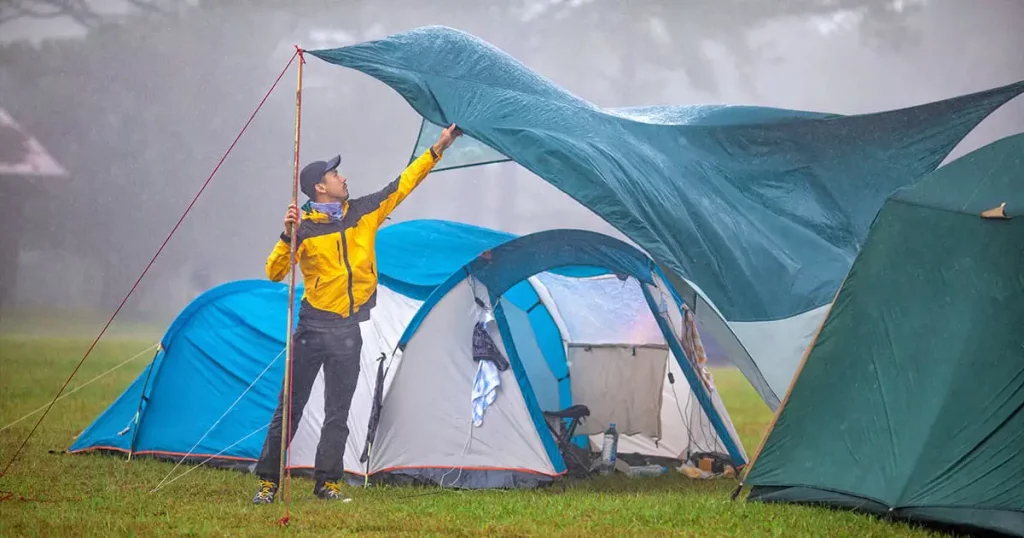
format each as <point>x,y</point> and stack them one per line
<point>333,187</point>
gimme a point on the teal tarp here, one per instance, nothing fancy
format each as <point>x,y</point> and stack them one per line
<point>763,208</point>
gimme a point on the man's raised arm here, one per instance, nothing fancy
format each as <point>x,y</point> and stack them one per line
<point>384,201</point>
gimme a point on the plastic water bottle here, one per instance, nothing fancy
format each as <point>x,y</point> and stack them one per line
<point>609,449</point>
<point>646,471</point>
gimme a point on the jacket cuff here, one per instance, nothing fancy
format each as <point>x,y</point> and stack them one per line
<point>286,238</point>
<point>434,155</point>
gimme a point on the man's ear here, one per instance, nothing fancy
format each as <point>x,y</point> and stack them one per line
<point>320,187</point>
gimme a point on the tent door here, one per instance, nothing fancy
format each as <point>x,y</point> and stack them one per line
<point>620,383</point>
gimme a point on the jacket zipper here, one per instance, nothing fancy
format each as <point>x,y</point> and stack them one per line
<point>343,252</point>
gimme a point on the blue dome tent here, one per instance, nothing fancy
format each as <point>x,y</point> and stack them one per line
<point>579,317</point>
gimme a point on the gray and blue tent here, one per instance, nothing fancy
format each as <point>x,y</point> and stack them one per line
<point>576,318</point>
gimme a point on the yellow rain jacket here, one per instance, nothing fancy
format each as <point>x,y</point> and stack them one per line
<point>337,259</point>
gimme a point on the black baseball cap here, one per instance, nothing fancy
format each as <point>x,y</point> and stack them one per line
<point>314,172</point>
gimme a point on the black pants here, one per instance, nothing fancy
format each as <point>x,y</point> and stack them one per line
<point>336,348</point>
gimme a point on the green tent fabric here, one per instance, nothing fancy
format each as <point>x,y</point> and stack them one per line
<point>911,400</point>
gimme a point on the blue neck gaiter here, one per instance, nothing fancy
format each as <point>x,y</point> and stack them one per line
<point>333,210</point>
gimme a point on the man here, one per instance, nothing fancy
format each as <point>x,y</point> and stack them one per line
<point>335,253</point>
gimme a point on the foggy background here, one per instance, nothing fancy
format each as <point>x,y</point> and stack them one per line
<point>135,102</point>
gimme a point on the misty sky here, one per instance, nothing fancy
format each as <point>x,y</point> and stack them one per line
<point>834,56</point>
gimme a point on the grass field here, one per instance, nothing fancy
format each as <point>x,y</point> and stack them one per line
<point>55,494</point>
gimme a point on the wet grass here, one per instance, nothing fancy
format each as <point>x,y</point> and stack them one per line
<point>48,493</point>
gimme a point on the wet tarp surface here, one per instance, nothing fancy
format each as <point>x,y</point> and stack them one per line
<point>763,208</point>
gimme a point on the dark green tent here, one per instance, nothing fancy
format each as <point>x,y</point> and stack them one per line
<point>909,403</point>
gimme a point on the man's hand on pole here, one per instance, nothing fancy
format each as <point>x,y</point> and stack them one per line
<point>291,218</point>
<point>446,139</point>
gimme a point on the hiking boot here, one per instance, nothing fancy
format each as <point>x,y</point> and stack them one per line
<point>265,495</point>
<point>331,491</point>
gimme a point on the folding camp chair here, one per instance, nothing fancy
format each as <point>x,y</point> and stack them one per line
<point>564,433</point>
